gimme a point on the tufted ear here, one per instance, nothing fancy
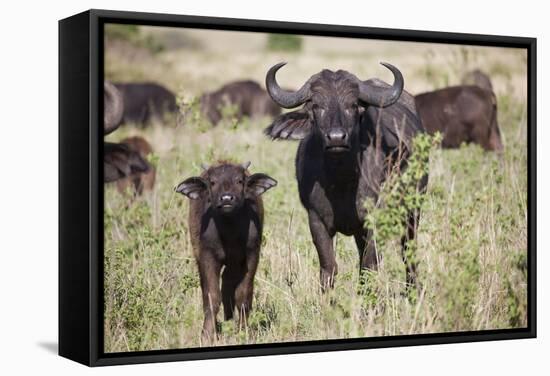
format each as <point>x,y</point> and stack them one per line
<point>259,183</point>
<point>293,125</point>
<point>192,187</point>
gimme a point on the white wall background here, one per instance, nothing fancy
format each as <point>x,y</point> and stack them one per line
<point>28,188</point>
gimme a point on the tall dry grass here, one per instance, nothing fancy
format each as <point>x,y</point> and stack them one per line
<point>472,245</point>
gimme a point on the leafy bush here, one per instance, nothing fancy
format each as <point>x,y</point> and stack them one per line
<point>400,193</point>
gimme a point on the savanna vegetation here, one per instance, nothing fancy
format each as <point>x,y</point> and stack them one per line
<point>472,243</point>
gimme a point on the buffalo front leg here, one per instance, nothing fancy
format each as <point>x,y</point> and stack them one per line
<point>209,270</point>
<point>244,291</point>
<point>368,259</point>
<point>325,250</point>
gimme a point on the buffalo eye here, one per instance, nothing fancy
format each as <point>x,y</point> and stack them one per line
<point>351,108</point>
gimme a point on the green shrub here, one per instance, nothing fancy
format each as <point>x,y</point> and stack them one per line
<point>284,42</point>
<point>400,193</point>
<point>134,36</point>
<point>123,32</point>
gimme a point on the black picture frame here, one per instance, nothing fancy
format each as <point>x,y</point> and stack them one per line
<point>81,189</point>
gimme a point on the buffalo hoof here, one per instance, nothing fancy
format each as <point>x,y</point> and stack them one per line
<point>327,276</point>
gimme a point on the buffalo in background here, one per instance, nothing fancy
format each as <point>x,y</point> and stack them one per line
<point>247,97</point>
<point>145,102</point>
<point>463,114</point>
<point>119,161</point>
<point>352,134</point>
<point>141,181</point>
<point>477,78</point>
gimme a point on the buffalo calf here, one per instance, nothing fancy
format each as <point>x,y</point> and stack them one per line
<point>462,114</point>
<point>140,181</point>
<point>225,222</point>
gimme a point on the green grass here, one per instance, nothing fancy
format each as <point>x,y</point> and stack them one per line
<point>471,249</point>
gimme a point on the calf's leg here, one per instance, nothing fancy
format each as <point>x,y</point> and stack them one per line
<point>209,270</point>
<point>244,291</point>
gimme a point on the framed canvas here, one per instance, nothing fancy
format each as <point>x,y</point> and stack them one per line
<point>234,187</point>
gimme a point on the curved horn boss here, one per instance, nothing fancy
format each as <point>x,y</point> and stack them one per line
<point>379,96</point>
<point>113,107</point>
<point>285,98</point>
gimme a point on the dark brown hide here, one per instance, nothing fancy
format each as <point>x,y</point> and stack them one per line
<point>477,78</point>
<point>119,162</point>
<point>248,98</point>
<point>463,114</point>
<point>146,101</point>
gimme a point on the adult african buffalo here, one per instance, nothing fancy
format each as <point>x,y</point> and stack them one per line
<point>119,161</point>
<point>353,133</point>
<point>477,78</point>
<point>462,114</point>
<point>225,223</point>
<point>247,97</point>
<point>145,101</point>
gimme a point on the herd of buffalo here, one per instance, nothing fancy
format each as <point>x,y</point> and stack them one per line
<point>352,134</point>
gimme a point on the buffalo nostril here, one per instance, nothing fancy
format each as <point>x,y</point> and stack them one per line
<point>227,197</point>
<point>336,135</point>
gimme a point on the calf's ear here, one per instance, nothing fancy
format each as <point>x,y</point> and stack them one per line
<point>293,125</point>
<point>259,183</point>
<point>192,187</point>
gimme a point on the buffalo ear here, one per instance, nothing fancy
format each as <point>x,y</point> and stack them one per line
<point>294,125</point>
<point>259,183</point>
<point>192,187</point>
<point>120,161</point>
